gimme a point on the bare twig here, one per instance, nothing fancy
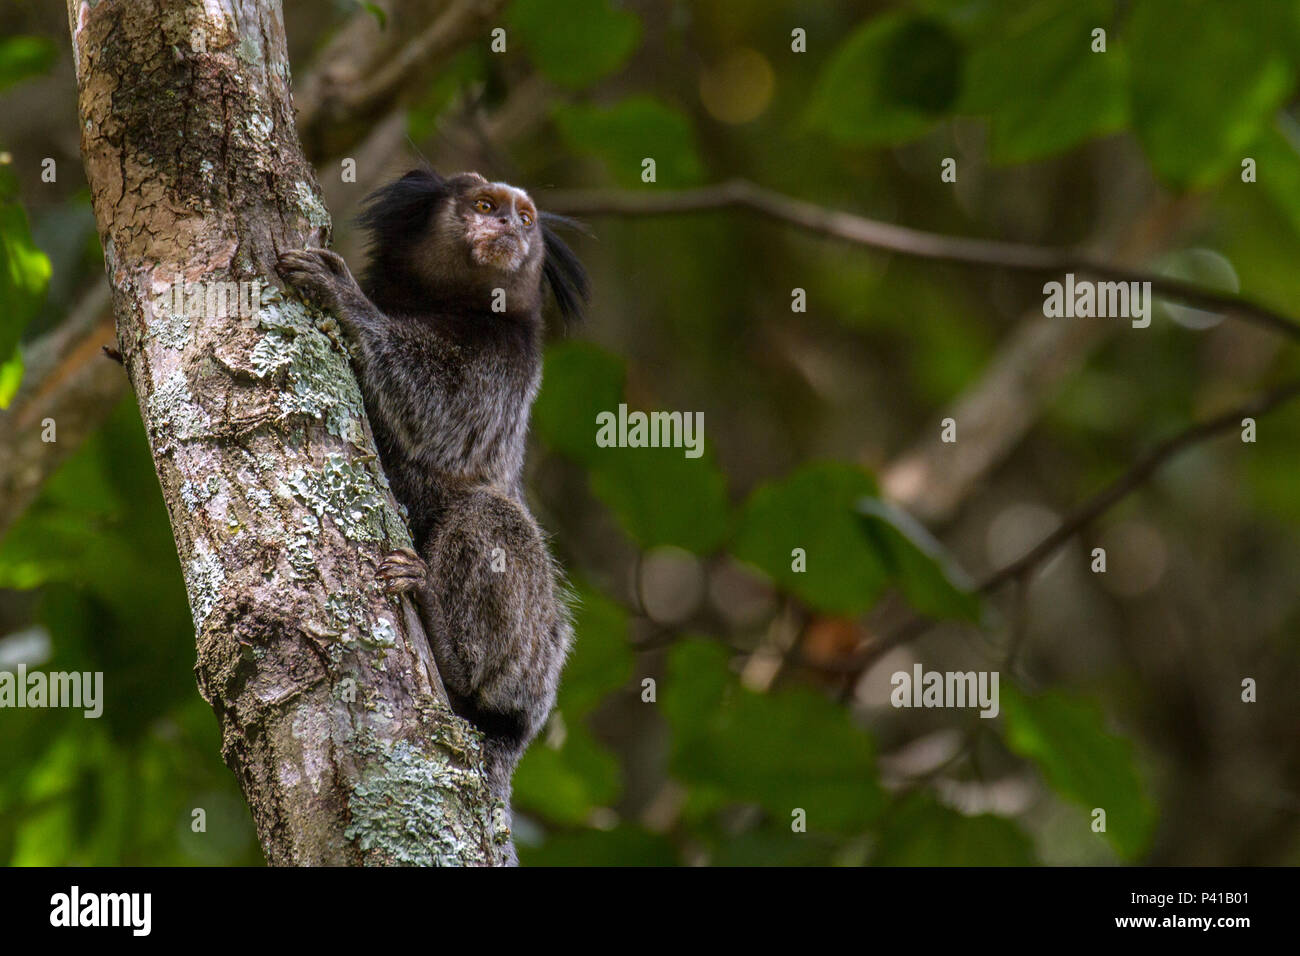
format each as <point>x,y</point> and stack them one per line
<point>1132,479</point>
<point>836,224</point>
<point>363,75</point>
<point>68,383</point>
<point>1024,567</point>
<point>931,479</point>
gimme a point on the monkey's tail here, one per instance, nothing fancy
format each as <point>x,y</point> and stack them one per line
<point>501,757</point>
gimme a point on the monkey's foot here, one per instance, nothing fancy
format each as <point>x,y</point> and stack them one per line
<point>318,275</point>
<point>403,571</point>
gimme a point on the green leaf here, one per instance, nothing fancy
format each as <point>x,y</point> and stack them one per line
<point>793,749</point>
<point>661,497</point>
<point>1277,166</point>
<point>22,57</point>
<point>920,832</point>
<point>658,495</point>
<point>1058,93</point>
<point>579,381</point>
<point>1207,77</point>
<point>919,567</point>
<point>1066,737</point>
<point>11,376</point>
<point>24,269</point>
<point>591,40</point>
<point>888,82</point>
<point>601,661</point>
<point>564,784</point>
<point>815,509</point>
<point>635,129</point>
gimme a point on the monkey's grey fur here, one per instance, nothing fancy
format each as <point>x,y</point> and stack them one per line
<point>449,383</point>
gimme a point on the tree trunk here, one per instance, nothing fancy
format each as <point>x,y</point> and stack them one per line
<point>331,712</point>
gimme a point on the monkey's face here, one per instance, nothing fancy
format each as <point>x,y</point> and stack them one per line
<point>482,239</point>
<point>500,225</point>
<point>463,243</point>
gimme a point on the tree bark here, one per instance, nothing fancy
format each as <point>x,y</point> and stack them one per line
<point>331,712</point>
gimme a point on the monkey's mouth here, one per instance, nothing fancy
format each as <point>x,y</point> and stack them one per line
<point>504,251</point>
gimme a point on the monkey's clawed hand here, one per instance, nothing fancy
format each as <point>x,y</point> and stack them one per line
<point>318,275</point>
<point>403,571</point>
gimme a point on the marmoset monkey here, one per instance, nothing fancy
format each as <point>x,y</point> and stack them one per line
<point>447,327</point>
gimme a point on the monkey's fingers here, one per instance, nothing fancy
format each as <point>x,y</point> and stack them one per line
<point>314,273</point>
<point>312,260</point>
<point>403,571</point>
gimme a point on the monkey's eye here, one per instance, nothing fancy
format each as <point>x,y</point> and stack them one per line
<point>526,219</point>
<point>483,205</point>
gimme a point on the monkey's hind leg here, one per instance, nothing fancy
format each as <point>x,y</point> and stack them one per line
<point>405,572</point>
<point>503,619</point>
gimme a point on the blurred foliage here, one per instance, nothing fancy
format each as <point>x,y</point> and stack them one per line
<point>1088,765</point>
<point>692,734</point>
<point>24,275</point>
<point>889,82</point>
<point>595,41</point>
<point>1039,109</point>
<point>730,743</point>
<point>618,135</point>
<point>121,788</point>
<point>23,57</point>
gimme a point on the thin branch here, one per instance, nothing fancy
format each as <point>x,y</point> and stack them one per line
<point>67,381</point>
<point>1132,479</point>
<point>848,227</point>
<point>1082,516</point>
<point>361,75</point>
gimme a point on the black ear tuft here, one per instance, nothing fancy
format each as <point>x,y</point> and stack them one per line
<point>563,270</point>
<point>395,214</point>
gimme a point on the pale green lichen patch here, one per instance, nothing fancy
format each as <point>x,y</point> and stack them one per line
<point>260,499</point>
<point>204,577</point>
<point>310,205</point>
<point>168,326</point>
<point>174,415</point>
<point>339,610</point>
<point>418,809</point>
<point>300,547</point>
<point>383,633</point>
<point>349,615</point>
<point>316,384</point>
<point>197,493</point>
<point>250,48</point>
<point>347,493</point>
